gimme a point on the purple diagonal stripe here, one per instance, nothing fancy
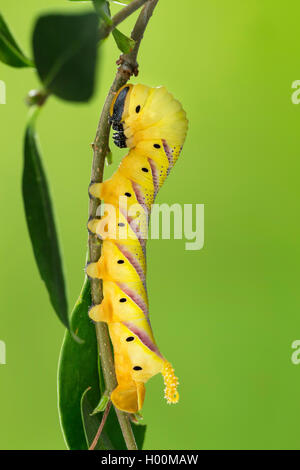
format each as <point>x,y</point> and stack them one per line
<point>143,337</point>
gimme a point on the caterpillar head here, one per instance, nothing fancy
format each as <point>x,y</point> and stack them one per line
<point>125,112</point>
<point>117,115</point>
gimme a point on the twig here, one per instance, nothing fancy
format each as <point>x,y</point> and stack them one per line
<point>100,429</point>
<point>128,67</point>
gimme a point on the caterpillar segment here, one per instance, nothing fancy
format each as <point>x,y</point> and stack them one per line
<point>153,125</point>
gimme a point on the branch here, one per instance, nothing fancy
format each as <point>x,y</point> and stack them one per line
<point>128,67</point>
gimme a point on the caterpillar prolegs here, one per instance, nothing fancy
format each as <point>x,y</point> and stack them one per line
<point>153,125</point>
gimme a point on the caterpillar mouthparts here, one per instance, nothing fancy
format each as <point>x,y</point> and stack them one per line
<point>157,126</point>
<point>119,138</point>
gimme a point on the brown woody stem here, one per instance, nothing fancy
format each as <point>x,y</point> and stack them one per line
<point>128,66</point>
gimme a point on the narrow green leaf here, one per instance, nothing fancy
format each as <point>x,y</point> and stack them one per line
<point>79,371</point>
<point>41,224</point>
<point>92,423</point>
<point>65,52</point>
<point>10,52</point>
<point>76,373</point>
<point>101,7</point>
<point>124,43</point>
<point>109,157</point>
<point>101,405</point>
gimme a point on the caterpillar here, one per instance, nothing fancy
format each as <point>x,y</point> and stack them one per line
<point>153,125</point>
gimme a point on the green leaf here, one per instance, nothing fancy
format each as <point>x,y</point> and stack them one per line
<point>41,224</point>
<point>102,8</point>
<point>102,404</point>
<point>92,423</point>
<point>79,371</point>
<point>109,157</point>
<point>65,52</point>
<point>124,43</point>
<point>75,371</point>
<point>10,53</point>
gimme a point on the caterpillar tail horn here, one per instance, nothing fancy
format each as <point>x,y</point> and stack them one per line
<point>171,383</point>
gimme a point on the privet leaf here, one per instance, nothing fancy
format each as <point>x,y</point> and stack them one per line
<point>10,52</point>
<point>79,388</point>
<point>124,43</point>
<point>102,8</point>
<point>92,423</point>
<point>65,53</point>
<point>99,4</point>
<point>104,400</point>
<point>41,224</point>
<point>76,373</point>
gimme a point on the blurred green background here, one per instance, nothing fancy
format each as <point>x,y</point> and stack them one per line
<point>225,316</point>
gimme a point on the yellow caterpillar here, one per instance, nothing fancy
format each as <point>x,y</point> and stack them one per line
<point>153,125</point>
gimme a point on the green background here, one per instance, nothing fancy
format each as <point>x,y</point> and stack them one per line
<point>225,316</point>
